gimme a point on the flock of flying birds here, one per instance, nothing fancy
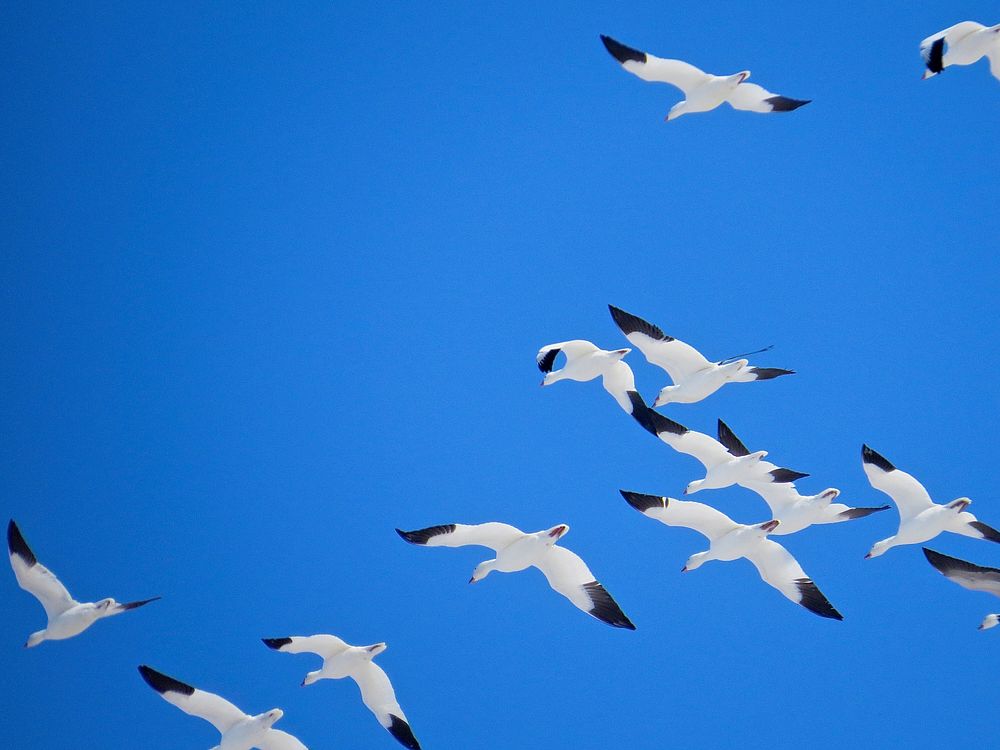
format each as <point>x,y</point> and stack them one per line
<point>726,459</point>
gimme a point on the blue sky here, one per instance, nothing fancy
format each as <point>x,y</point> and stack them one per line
<point>273,284</point>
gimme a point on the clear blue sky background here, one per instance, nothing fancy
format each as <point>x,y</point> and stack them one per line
<point>273,282</point>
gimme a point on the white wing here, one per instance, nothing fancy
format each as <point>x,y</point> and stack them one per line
<point>709,451</point>
<point>909,495</point>
<point>275,739</point>
<point>648,67</point>
<point>778,496</point>
<point>754,98</point>
<point>546,356</point>
<point>950,35</point>
<point>618,380</point>
<point>323,645</point>
<point>702,518</point>
<point>570,576</point>
<point>34,577</point>
<point>214,709</point>
<point>779,569</point>
<point>965,574</point>
<point>679,359</point>
<point>380,698</point>
<point>494,535</point>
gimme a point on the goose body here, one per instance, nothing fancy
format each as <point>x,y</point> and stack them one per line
<point>586,361</point>
<point>797,511</point>
<point>964,43</point>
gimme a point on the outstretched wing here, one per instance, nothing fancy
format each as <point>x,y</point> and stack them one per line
<point>493,535</point>
<point>704,519</point>
<point>275,739</point>
<point>932,49</point>
<point>753,98</point>
<point>570,576</point>
<point>779,569</point>
<point>546,357</point>
<point>965,574</point>
<point>214,709</point>
<point>380,698</point>
<point>648,67</point>
<point>34,577</point>
<point>909,495</point>
<point>323,645</point>
<point>680,360</point>
<point>709,451</point>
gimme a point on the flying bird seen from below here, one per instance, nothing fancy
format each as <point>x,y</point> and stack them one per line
<point>66,616</point>
<point>964,43</point>
<point>920,518</point>
<point>703,91</point>
<point>694,377</point>
<point>968,575</point>
<point>239,731</point>
<point>729,540</point>
<point>563,569</point>
<point>586,361</point>
<point>341,660</point>
<point>797,511</point>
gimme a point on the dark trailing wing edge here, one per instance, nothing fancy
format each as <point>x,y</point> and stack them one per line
<point>402,732</point>
<point>17,545</point>
<point>786,475</point>
<point>785,104</point>
<point>769,373</point>
<point>812,599</point>
<point>642,502</point>
<point>140,603</point>
<point>935,56</point>
<point>629,323</point>
<point>546,361</point>
<point>276,643</point>
<point>161,683</point>
<point>622,53</point>
<point>605,608</point>
<point>852,513</point>
<point>732,443</point>
<point>869,456</point>
<point>420,536</point>
<point>988,532</point>
<point>948,565</point>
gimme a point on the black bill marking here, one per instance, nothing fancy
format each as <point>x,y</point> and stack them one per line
<point>622,53</point>
<point>869,456</point>
<point>17,545</point>
<point>605,608</point>
<point>420,536</point>
<point>161,683</point>
<point>732,443</point>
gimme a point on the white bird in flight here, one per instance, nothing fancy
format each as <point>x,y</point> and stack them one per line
<point>703,91</point>
<point>563,569</point>
<point>341,660</point>
<point>727,461</point>
<point>730,541</point>
<point>239,731</point>
<point>962,44</point>
<point>920,518</point>
<point>968,575</point>
<point>586,361</point>
<point>797,511</point>
<point>66,616</point>
<point>695,378</point>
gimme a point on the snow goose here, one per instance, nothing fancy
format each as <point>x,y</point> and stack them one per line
<point>586,361</point>
<point>727,461</point>
<point>695,378</point>
<point>66,616</point>
<point>564,570</point>
<point>703,91</point>
<point>343,660</point>
<point>968,575</point>
<point>967,42</point>
<point>729,540</point>
<point>797,511</point>
<point>239,731</point>
<point>920,518</point>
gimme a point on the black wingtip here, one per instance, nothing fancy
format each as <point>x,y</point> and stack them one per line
<point>420,536</point>
<point>869,456</point>
<point>661,424</point>
<point>605,608</point>
<point>813,600</point>
<point>641,413</point>
<point>402,732</point>
<point>935,58</point>
<point>161,683</point>
<point>621,52</point>
<point>17,545</point>
<point>277,643</point>
<point>989,533</point>
<point>629,323</point>
<point>936,559</point>
<point>851,513</point>
<point>546,363</point>
<point>770,373</point>
<point>786,475</point>
<point>785,104</point>
<point>642,502</point>
<point>140,603</point>
<point>945,564</point>
<point>730,442</point>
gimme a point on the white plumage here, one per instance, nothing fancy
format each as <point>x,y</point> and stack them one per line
<point>962,44</point>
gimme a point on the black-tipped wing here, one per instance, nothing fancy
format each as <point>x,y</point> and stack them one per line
<point>214,709</point>
<point>546,359</point>
<point>851,513</point>
<point>680,360</point>
<point>493,535</point>
<point>34,577</point>
<point>380,698</point>
<point>989,533</point>
<point>753,98</point>
<point>782,571</point>
<point>769,373</point>
<point>909,495</point>
<point>402,732</point>
<point>643,502</point>
<point>932,49</point>
<point>965,574</point>
<point>785,475</point>
<point>134,605</point>
<point>648,67</point>
<point>702,518</point>
<point>568,574</point>
<point>732,443</point>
